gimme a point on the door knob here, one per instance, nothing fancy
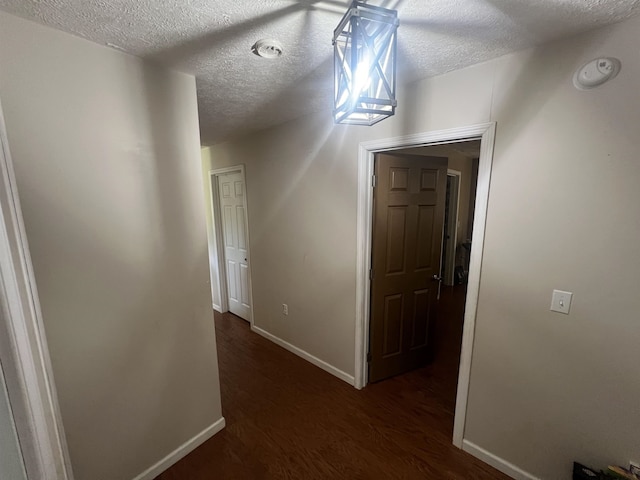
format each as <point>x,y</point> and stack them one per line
<point>436,278</point>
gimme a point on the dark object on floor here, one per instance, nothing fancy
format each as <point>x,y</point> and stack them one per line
<point>580,472</point>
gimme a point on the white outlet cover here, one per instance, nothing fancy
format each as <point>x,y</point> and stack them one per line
<point>561,301</point>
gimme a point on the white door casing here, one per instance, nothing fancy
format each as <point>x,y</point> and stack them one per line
<point>11,460</point>
<point>486,133</point>
<point>235,242</point>
<point>451,233</point>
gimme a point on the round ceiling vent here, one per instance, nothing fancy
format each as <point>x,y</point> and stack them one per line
<point>267,48</point>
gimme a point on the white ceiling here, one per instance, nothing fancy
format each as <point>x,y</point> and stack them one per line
<point>240,92</point>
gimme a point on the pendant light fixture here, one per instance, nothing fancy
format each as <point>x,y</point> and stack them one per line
<point>364,44</point>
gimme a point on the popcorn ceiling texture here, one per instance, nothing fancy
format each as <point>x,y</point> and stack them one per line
<point>240,92</point>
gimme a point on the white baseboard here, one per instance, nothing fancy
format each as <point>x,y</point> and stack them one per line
<point>307,356</point>
<point>496,462</point>
<point>182,451</point>
<point>217,308</point>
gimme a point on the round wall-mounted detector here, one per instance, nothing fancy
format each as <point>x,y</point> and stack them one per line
<point>267,48</point>
<point>596,72</point>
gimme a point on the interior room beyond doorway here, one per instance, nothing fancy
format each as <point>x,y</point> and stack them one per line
<point>440,373</point>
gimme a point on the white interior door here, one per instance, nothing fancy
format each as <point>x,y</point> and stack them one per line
<point>233,209</point>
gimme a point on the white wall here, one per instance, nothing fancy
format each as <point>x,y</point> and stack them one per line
<point>563,213</point>
<point>107,159</point>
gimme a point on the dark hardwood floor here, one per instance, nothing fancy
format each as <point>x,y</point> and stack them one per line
<point>287,419</point>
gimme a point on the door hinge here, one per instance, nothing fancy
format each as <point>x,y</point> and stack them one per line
<point>369,357</point>
<point>371,274</point>
<point>374,181</point>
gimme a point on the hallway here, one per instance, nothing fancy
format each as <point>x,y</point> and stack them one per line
<point>287,419</point>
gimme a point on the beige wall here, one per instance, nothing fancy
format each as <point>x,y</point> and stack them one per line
<point>107,158</point>
<point>563,213</point>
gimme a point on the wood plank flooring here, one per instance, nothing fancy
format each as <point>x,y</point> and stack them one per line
<point>287,419</point>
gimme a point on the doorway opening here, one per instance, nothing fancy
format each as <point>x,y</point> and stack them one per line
<point>457,298</point>
<point>231,232</point>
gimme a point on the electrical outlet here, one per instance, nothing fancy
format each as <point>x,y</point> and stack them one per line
<point>285,309</point>
<point>634,467</point>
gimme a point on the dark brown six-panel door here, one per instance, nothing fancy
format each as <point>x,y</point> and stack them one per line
<point>408,219</point>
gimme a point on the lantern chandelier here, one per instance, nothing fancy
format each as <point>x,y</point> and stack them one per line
<point>364,45</point>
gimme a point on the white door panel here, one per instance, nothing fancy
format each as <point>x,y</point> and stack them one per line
<point>228,226</point>
<point>232,281</point>
<point>242,238</point>
<point>244,285</point>
<point>233,207</point>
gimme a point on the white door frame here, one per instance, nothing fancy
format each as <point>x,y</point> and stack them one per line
<point>218,237</point>
<point>449,268</point>
<point>23,345</point>
<point>486,133</point>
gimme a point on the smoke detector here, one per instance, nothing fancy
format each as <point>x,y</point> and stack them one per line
<point>267,48</point>
<point>596,72</point>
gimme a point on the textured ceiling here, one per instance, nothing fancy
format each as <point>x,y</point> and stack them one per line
<point>240,92</point>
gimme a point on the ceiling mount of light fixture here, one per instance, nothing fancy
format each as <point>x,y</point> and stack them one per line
<point>267,48</point>
<point>365,64</point>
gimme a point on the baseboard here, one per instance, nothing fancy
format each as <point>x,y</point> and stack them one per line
<point>307,356</point>
<point>217,308</point>
<point>496,462</point>
<point>182,451</point>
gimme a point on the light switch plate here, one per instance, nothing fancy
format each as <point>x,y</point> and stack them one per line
<point>561,301</point>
